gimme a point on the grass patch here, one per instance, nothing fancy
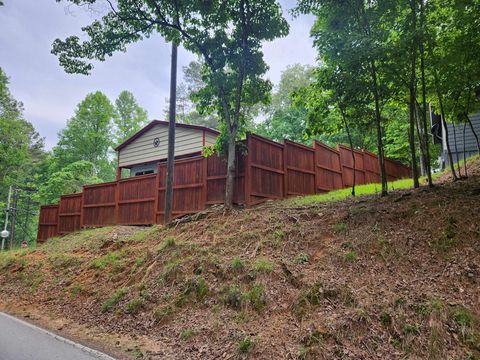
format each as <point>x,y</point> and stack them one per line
<point>350,256</point>
<point>245,345</point>
<point>263,266</point>
<point>170,271</point>
<point>255,297</point>
<point>168,243</point>
<point>113,300</point>
<point>339,228</point>
<point>342,194</point>
<point>186,334</point>
<point>237,264</point>
<point>135,305</point>
<point>116,261</point>
<point>162,314</point>
<point>63,261</point>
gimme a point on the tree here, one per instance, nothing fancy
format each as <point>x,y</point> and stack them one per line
<point>68,180</point>
<point>87,136</point>
<point>284,120</point>
<point>227,35</point>
<point>352,34</point>
<point>21,152</point>
<point>129,116</point>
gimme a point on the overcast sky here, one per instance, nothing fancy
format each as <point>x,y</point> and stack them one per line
<point>50,96</point>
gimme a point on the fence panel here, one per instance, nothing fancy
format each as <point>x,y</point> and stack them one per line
<point>99,203</point>
<point>372,173</point>
<point>347,166</point>
<point>299,169</point>
<point>47,222</point>
<point>265,169</point>
<point>136,200</point>
<point>69,213</point>
<point>189,187</point>
<point>327,167</point>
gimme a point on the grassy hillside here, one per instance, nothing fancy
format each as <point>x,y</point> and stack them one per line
<point>365,278</point>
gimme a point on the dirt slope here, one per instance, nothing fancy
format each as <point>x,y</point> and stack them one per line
<point>391,278</point>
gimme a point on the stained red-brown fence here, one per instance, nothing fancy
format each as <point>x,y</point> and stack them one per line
<point>69,213</point>
<point>328,169</point>
<point>99,204</point>
<point>136,200</point>
<point>299,167</point>
<point>264,170</point>
<point>47,222</point>
<point>265,173</point>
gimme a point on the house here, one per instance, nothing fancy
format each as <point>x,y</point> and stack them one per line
<point>143,151</point>
<point>457,143</point>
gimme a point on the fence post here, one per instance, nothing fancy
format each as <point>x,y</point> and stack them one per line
<point>117,201</point>
<point>285,169</point>
<point>81,209</point>
<point>248,170</point>
<point>204,181</point>
<point>157,194</point>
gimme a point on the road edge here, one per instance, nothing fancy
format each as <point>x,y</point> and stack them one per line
<point>86,349</point>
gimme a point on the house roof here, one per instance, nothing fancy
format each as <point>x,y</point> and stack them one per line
<point>165,123</point>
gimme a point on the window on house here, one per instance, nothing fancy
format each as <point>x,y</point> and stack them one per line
<point>144,172</point>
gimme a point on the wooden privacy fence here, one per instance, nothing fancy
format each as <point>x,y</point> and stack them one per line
<point>265,170</point>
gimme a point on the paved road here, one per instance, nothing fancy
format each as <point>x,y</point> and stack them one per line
<point>20,340</point>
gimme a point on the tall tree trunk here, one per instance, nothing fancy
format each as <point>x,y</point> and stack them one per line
<point>473,131</point>
<point>456,148</point>
<point>171,137</point>
<point>378,124</point>
<point>230,181</point>
<point>424,95</point>
<point>349,135</point>
<point>444,122</point>
<point>413,62</point>
<point>464,149</point>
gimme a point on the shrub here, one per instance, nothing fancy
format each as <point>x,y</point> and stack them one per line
<point>113,300</point>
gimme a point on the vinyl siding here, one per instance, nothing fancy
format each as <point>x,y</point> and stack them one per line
<point>470,142</point>
<point>210,139</point>
<point>142,150</point>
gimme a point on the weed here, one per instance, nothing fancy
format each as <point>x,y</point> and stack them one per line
<point>279,234</point>
<point>339,228</point>
<point>233,297</point>
<point>245,345</point>
<point>237,264</point>
<point>312,339</point>
<point>186,334</point>
<point>162,314</point>
<point>197,287</point>
<point>134,305</point>
<point>263,266</point>
<point>301,258</point>
<point>169,242</point>
<point>411,329</point>
<point>113,300</point>
<point>350,256</point>
<point>9,260</point>
<point>255,297</point>
<point>385,319</point>
<point>170,271</point>
<point>299,307</point>
<point>77,289</point>
<point>447,239</point>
